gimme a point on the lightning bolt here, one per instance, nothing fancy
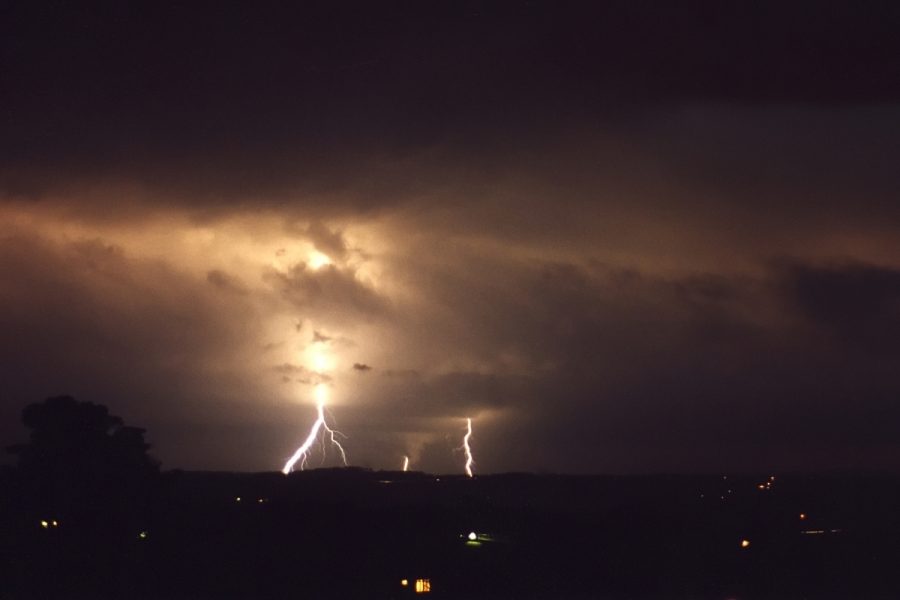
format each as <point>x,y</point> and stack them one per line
<point>406,463</point>
<point>469,460</point>
<point>302,453</point>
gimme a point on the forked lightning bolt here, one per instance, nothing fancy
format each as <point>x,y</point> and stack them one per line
<point>302,453</point>
<point>468,448</point>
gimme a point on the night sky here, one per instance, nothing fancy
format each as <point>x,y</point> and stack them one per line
<point>622,237</point>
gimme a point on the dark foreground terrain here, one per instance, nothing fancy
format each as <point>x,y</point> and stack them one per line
<point>357,534</point>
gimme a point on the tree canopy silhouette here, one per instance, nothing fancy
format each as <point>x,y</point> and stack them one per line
<point>90,475</point>
<point>82,438</point>
<point>80,457</point>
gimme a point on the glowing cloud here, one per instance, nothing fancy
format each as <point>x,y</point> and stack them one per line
<point>317,260</point>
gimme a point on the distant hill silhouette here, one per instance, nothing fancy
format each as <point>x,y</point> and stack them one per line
<point>86,515</point>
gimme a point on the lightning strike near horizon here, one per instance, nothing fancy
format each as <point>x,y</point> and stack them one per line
<point>302,453</point>
<point>469,460</point>
<point>405,463</point>
<point>320,362</point>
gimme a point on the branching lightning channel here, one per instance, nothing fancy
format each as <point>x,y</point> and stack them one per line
<point>468,448</point>
<point>302,453</point>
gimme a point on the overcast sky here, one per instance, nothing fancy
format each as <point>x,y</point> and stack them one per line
<point>621,237</point>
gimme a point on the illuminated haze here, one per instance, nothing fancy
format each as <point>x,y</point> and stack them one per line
<point>611,259</point>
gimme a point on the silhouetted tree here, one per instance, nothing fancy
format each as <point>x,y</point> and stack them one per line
<point>81,438</point>
<point>80,456</point>
<point>90,475</point>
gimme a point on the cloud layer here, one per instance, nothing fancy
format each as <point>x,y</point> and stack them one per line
<point>615,246</point>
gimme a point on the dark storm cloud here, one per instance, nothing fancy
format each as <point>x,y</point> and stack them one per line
<point>567,222</point>
<point>225,282</point>
<point>623,370</point>
<point>450,395</point>
<point>301,374</point>
<point>551,315</point>
<point>321,337</point>
<point>245,101</point>
<point>857,304</point>
<point>328,288</point>
<point>330,243</point>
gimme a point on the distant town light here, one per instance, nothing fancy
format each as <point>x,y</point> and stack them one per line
<point>423,586</point>
<point>404,582</point>
<point>45,524</point>
<point>745,543</point>
<point>142,535</point>
<point>237,499</point>
<point>473,536</point>
<point>55,523</point>
<point>802,516</point>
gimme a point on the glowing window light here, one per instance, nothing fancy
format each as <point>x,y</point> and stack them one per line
<point>745,543</point>
<point>423,586</point>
